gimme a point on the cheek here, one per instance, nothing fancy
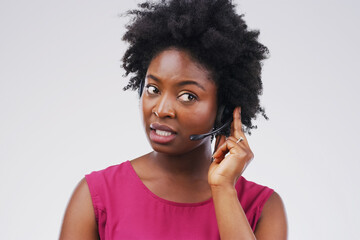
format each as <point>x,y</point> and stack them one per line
<point>201,119</point>
<point>145,106</point>
<point>145,110</point>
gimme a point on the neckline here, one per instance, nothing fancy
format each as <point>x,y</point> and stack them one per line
<point>153,195</point>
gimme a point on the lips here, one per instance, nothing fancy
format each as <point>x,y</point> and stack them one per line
<point>158,126</point>
<point>161,133</point>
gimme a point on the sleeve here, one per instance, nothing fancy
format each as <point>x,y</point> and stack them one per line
<point>252,198</point>
<point>95,182</point>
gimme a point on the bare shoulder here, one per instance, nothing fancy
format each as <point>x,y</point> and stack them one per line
<point>142,166</point>
<point>79,220</point>
<point>272,223</point>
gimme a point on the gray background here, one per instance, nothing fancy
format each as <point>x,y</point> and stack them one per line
<point>63,112</point>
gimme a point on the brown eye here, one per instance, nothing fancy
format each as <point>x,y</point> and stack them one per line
<point>152,89</point>
<point>187,97</point>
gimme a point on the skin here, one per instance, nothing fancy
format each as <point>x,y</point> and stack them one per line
<point>181,170</point>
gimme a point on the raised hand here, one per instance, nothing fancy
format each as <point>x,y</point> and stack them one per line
<point>231,157</point>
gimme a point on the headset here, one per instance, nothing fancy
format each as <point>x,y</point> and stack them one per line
<point>224,112</point>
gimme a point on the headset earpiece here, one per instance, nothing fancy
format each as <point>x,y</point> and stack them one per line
<point>223,118</point>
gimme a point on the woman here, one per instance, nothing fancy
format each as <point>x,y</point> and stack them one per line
<point>197,68</point>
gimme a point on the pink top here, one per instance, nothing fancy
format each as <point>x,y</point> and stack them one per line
<point>126,209</point>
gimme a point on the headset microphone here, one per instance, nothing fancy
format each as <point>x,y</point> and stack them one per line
<point>201,136</point>
<point>223,113</point>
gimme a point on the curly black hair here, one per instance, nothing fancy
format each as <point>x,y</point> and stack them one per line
<point>215,36</point>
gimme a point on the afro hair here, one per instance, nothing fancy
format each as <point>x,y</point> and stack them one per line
<point>215,36</point>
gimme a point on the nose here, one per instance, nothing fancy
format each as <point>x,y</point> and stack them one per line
<point>164,107</point>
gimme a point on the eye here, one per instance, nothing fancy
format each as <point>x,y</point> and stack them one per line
<point>152,89</point>
<point>187,97</point>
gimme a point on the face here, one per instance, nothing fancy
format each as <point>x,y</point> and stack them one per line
<point>178,100</point>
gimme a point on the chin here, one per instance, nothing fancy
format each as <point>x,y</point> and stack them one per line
<point>166,149</point>
<point>172,149</point>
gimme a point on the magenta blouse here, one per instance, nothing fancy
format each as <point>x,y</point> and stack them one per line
<point>126,209</point>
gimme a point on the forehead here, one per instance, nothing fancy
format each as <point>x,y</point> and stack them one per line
<point>178,65</point>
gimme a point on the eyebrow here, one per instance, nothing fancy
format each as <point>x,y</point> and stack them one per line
<point>182,83</point>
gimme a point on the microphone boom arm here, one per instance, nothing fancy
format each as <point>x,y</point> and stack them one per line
<point>201,136</point>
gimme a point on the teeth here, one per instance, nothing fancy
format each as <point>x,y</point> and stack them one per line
<point>162,133</point>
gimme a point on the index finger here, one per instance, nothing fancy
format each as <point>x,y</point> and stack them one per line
<point>236,126</point>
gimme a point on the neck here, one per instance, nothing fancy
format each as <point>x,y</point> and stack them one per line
<point>191,164</point>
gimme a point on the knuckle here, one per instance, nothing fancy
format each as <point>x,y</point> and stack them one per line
<point>247,155</point>
<point>231,138</point>
<point>250,155</point>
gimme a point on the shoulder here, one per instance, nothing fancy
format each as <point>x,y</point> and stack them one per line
<point>252,195</point>
<point>272,223</point>
<point>79,220</point>
<point>246,185</point>
<point>102,181</point>
<point>109,174</point>
<point>109,171</point>
<point>264,208</point>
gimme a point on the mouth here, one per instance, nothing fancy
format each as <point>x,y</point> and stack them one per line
<point>161,133</point>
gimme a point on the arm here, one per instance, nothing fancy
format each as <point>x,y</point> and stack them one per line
<point>231,219</point>
<point>230,160</point>
<point>79,220</point>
